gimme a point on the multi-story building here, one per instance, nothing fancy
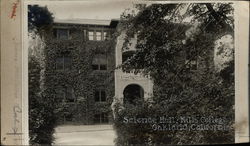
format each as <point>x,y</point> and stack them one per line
<point>82,57</point>
<point>80,63</point>
<point>81,60</point>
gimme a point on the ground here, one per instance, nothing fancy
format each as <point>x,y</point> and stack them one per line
<point>84,135</point>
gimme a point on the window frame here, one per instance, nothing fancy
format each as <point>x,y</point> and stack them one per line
<point>99,65</point>
<point>98,34</point>
<point>93,35</point>
<point>105,35</point>
<point>64,90</point>
<point>57,34</point>
<point>103,65</point>
<point>98,37</point>
<point>64,57</point>
<point>100,98</point>
<point>101,118</point>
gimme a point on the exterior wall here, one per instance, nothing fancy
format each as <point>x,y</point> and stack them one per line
<point>81,77</point>
<point>122,79</point>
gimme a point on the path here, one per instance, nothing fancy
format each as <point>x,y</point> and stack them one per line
<point>84,135</point>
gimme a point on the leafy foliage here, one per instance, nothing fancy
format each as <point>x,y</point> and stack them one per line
<point>39,18</point>
<point>163,40</point>
<point>41,107</point>
<point>81,76</point>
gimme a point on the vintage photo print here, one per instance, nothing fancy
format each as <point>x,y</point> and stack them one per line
<point>131,73</point>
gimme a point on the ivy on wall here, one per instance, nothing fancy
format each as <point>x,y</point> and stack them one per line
<point>80,77</point>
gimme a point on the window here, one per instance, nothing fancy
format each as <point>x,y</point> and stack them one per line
<point>66,93</point>
<point>91,35</point>
<point>105,36</point>
<point>64,62</point>
<point>99,67</point>
<point>95,67</point>
<point>100,96</point>
<point>103,67</point>
<point>101,118</point>
<point>99,62</point>
<point>62,34</point>
<point>68,117</point>
<point>98,36</point>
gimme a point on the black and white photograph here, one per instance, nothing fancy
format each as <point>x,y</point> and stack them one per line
<point>131,73</point>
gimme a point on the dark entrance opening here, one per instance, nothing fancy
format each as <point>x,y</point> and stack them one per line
<point>133,94</point>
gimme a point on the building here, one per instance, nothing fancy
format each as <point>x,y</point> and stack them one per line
<point>80,67</point>
<point>82,57</point>
<point>81,60</point>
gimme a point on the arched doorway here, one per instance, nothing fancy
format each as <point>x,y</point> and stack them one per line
<point>132,94</point>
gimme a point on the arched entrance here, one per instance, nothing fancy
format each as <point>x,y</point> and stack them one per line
<point>132,94</point>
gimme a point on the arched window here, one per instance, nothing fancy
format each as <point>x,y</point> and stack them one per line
<point>132,93</point>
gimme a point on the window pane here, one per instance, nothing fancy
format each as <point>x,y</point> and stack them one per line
<point>106,120</point>
<point>91,38</point>
<point>105,36</point>
<point>103,96</point>
<point>97,118</point>
<point>67,63</point>
<point>69,94</point>
<point>91,35</point>
<point>68,117</point>
<point>59,63</point>
<point>98,36</point>
<point>97,96</point>
<point>101,118</point>
<point>62,34</point>
<point>95,67</point>
<point>103,67</point>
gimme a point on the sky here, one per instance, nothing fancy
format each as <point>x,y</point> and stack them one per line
<point>85,9</point>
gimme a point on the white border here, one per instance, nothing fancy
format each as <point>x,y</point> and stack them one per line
<point>241,66</point>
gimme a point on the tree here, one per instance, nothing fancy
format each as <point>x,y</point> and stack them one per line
<point>39,18</point>
<point>41,112</point>
<point>163,37</point>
